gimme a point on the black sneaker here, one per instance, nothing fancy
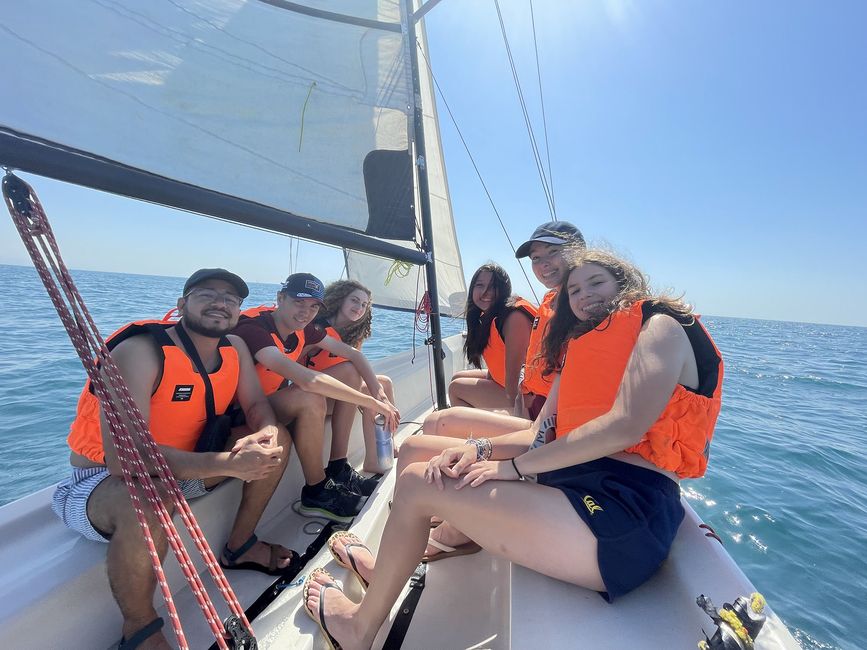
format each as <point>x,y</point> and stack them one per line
<point>333,502</point>
<point>355,482</point>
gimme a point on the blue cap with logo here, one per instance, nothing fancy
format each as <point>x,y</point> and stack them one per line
<point>304,285</point>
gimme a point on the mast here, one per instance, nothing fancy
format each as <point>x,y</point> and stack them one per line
<point>424,205</point>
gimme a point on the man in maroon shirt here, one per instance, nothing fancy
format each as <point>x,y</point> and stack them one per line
<point>275,337</point>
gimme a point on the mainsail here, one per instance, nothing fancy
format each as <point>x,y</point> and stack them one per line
<point>292,116</point>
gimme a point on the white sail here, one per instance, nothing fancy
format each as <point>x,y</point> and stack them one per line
<point>404,291</point>
<point>303,107</point>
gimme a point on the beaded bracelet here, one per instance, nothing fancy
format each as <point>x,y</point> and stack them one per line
<point>483,446</point>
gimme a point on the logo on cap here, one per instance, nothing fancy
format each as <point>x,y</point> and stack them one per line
<point>312,284</point>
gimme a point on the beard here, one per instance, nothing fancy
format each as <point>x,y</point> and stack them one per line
<point>213,332</point>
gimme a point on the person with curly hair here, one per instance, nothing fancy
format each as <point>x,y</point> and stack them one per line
<point>347,318</point>
<point>498,332</point>
<point>632,409</point>
<point>276,337</point>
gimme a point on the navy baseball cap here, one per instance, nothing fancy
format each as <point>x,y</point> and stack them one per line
<point>304,285</point>
<point>553,232</point>
<point>217,274</point>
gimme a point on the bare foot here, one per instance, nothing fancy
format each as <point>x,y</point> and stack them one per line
<point>446,534</point>
<point>260,553</point>
<point>364,560</point>
<point>339,612</point>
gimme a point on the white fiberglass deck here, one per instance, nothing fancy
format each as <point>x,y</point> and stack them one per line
<point>55,594</point>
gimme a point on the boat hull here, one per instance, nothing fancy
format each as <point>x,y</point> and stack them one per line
<point>55,592</point>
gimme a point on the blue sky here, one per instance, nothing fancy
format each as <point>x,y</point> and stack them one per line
<point>721,146</point>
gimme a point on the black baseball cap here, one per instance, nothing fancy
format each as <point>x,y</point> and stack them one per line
<point>217,274</point>
<point>553,232</point>
<point>304,285</point>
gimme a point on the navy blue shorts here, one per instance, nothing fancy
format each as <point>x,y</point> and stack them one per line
<point>634,513</point>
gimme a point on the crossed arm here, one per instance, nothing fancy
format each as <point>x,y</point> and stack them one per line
<point>252,457</point>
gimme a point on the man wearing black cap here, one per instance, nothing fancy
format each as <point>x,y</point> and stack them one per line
<point>182,375</point>
<point>276,337</point>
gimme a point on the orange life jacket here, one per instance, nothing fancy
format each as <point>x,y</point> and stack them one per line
<point>270,380</point>
<point>494,353</point>
<point>323,359</point>
<point>679,440</point>
<point>533,381</point>
<point>177,409</point>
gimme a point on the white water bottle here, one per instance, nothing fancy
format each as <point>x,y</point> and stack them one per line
<point>384,444</point>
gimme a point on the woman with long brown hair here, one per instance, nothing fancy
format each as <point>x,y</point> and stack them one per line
<point>347,318</point>
<point>631,411</point>
<point>498,333</point>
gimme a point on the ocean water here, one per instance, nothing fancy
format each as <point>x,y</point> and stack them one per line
<point>786,488</point>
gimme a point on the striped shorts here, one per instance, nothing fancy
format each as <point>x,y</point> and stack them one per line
<point>71,495</point>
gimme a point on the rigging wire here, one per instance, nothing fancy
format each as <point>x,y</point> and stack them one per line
<point>475,167</point>
<point>544,117</point>
<point>533,145</point>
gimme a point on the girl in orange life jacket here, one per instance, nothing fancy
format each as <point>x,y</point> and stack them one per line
<point>347,317</point>
<point>638,370</point>
<point>549,248</point>
<point>498,331</point>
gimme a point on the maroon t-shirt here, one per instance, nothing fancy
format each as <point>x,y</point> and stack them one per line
<point>256,333</point>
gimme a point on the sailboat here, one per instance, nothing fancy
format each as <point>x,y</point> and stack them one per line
<point>312,119</point>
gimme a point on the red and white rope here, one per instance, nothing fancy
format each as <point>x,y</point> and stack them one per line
<point>116,401</point>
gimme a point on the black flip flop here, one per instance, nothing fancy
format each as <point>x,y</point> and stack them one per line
<point>141,636</point>
<point>272,569</point>
<point>332,642</point>
<point>353,541</point>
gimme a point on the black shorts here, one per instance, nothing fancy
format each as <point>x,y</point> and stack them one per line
<point>634,513</point>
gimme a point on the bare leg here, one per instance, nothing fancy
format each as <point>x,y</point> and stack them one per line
<point>488,514</point>
<point>416,449</point>
<point>475,373</point>
<point>128,564</point>
<point>254,498</point>
<point>472,373</point>
<point>343,413</point>
<point>460,422</point>
<point>478,390</point>
<point>307,413</point>
<point>367,426</point>
<point>421,449</point>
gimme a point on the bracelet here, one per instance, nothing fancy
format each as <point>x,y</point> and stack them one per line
<point>515,467</point>
<point>483,446</point>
